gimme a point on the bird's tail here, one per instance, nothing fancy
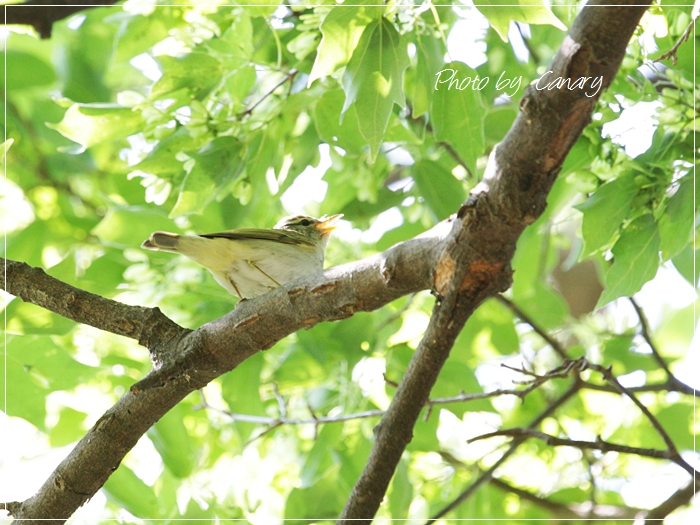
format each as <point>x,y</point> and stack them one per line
<point>162,241</point>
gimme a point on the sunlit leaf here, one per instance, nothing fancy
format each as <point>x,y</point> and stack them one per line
<point>96,123</point>
<point>373,80</point>
<point>605,210</point>
<point>527,11</point>
<point>341,31</point>
<point>458,111</point>
<point>636,260</point>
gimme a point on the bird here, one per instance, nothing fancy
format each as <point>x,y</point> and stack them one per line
<point>249,262</point>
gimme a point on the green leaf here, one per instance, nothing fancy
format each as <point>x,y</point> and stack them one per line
<point>546,306</point>
<point>676,332</point>
<point>173,442</point>
<point>23,394</point>
<point>429,55</point>
<point>425,434</point>
<point>321,460</point>
<point>620,350</point>
<point>604,212</point>
<point>676,225</point>
<point>137,33</point>
<point>440,189</point>
<point>25,70</point>
<point>458,112</point>
<point>527,11</point>
<point>126,490</point>
<point>257,8</point>
<point>195,72</point>
<point>677,420</point>
<point>37,366</point>
<point>341,31</point>
<point>636,260</point>
<point>216,166</point>
<point>345,134</point>
<point>236,44</point>
<point>162,160</point>
<point>456,377</point>
<point>90,124</point>
<point>373,80</point>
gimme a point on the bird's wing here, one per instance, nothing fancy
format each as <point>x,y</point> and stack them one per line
<point>282,236</point>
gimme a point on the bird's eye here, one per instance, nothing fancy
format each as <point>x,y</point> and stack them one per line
<point>305,222</point>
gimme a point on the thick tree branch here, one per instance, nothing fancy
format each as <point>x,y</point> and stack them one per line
<point>146,325</point>
<point>185,361</point>
<point>475,263</point>
<point>41,14</point>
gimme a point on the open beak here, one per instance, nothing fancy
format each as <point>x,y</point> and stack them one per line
<point>327,225</point>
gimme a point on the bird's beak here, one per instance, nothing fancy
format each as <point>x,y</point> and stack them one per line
<point>327,225</point>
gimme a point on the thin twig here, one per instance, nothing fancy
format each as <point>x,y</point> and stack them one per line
<point>289,76</point>
<point>668,386</point>
<point>486,476</point>
<point>676,457</point>
<point>556,346</point>
<point>598,444</point>
<point>646,334</point>
<point>671,53</point>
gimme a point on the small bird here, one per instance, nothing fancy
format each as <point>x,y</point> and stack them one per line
<point>251,261</point>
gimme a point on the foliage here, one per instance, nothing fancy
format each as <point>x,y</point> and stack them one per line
<point>200,118</point>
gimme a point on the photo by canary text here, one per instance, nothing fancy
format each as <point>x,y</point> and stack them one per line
<point>589,85</point>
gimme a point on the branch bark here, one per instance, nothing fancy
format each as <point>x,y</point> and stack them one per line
<point>185,360</point>
<point>475,263</point>
<point>466,265</point>
<point>41,14</point>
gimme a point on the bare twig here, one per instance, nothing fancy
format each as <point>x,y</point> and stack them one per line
<point>560,510</point>
<point>598,444</point>
<point>646,334</point>
<point>488,475</point>
<point>288,77</point>
<point>672,450</point>
<point>667,386</point>
<point>671,53</point>
<point>556,346</point>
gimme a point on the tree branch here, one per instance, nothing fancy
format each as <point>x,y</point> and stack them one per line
<point>475,263</point>
<point>560,510</point>
<point>488,475</point>
<point>41,14</point>
<point>598,444</point>
<point>675,456</point>
<point>185,361</point>
<point>646,334</point>
<point>148,326</point>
